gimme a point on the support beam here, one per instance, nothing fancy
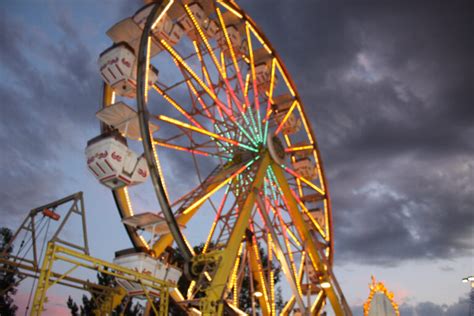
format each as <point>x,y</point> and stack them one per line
<point>310,243</point>
<point>258,276</point>
<point>285,265</point>
<point>213,304</point>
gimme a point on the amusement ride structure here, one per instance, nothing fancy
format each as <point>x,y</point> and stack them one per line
<point>230,153</point>
<point>380,301</point>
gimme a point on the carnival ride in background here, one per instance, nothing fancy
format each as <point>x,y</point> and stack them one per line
<point>380,301</point>
<point>229,150</point>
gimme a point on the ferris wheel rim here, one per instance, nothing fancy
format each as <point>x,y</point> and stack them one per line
<point>121,195</point>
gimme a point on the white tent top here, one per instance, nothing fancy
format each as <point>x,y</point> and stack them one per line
<point>381,306</point>
<point>123,118</point>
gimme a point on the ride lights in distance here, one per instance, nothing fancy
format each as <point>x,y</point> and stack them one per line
<point>257,294</point>
<point>325,285</point>
<point>469,279</point>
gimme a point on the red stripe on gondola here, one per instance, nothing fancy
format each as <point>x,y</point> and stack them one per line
<point>108,164</point>
<point>111,73</point>
<point>93,171</point>
<point>100,167</point>
<point>125,179</point>
<point>118,68</point>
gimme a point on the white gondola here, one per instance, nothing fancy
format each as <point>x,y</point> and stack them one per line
<point>236,32</point>
<point>119,70</point>
<point>145,264</point>
<point>305,168</point>
<point>129,30</point>
<point>263,68</point>
<point>113,163</point>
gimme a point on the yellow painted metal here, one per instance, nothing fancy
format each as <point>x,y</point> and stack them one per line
<point>42,287</point>
<point>288,306</point>
<point>310,243</point>
<point>212,304</point>
<point>167,239</point>
<point>55,252</point>
<point>258,275</point>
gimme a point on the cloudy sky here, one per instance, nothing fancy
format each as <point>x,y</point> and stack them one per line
<point>388,85</point>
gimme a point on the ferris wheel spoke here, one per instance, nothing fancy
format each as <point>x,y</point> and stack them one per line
<point>182,63</point>
<point>176,105</point>
<point>304,180</point>
<point>214,223</point>
<point>208,79</point>
<point>268,111</point>
<point>286,117</point>
<point>253,75</point>
<point>187,149</point>
<point>218,187</point>
<point>232,53</point>
<point>221,71</point>
<point>308,214</point>
<point>204,132</point>
<point>211,53</point>
<point>230,47</point>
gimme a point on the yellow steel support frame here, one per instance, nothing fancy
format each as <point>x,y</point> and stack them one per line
<point>55,252</point>
<point>212,304</point>
<point>167,239</point>
<point>310,244</point>
<point>260,278</point>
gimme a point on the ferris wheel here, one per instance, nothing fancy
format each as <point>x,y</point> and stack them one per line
<point>228,152</point>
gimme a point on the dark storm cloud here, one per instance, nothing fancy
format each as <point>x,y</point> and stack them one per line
<point>389,89</point>
<point>386,85</point>
<point>48,90</point>
<point>459,308</point>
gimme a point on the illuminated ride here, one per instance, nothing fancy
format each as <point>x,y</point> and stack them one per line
<point>230,154</point>
<point>380,301</point>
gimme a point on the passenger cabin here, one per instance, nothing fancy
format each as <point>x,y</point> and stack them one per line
<point>263,69</point>
<point>312,198</point>
<point>113,163</point>
<point>305,168</point>
<point>237,35</point>
<point>142,262</point>
<point>281,105</point>
<point>129,30</point>
<point>119,70</point>
<point>305,153</point>
<point>292,125</point>
<point>201,10</point>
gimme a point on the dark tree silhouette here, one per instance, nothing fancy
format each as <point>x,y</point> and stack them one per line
<point>7,277</point>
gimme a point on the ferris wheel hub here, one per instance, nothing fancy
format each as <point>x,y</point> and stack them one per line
<point>276,149</point>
